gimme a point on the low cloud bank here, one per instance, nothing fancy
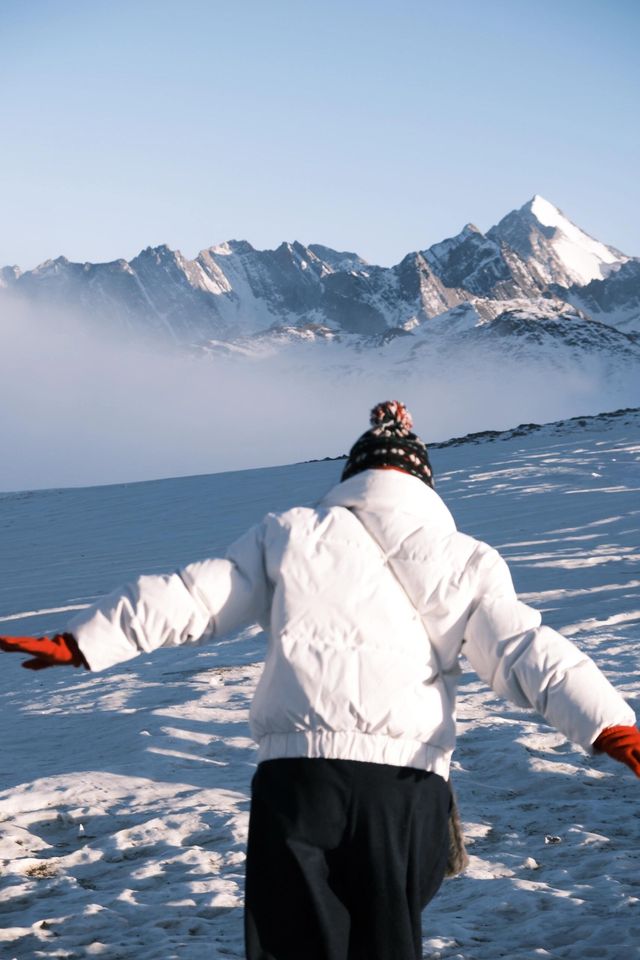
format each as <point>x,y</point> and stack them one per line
<point>80,407</point>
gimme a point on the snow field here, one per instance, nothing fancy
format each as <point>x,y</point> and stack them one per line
<point>124,795</point>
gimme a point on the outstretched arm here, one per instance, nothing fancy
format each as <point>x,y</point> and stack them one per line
<point>201,600</point>
<point>535,666</point>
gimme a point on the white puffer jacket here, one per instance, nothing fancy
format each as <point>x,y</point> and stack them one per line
<point>368,600</point>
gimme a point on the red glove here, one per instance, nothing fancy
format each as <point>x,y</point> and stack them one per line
<point>623,744</point>
<point>61,650</point>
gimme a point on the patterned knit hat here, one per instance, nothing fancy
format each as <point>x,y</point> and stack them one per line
<point>390,443</point>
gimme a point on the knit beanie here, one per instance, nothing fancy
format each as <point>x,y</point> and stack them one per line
<point>390,443</point>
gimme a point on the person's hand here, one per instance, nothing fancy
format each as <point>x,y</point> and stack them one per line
<point>623,744</point>
<point>61,650</point>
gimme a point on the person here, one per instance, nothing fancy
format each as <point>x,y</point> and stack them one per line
<point>368,600</point>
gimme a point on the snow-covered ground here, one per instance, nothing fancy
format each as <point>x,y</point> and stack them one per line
<point>124,795</point>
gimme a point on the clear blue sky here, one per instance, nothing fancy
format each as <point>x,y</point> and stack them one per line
<point>379,127</point>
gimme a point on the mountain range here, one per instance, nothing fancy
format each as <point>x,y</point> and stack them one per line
<point>534,278</point>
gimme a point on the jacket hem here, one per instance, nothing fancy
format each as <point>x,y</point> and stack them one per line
<point>355,745</point>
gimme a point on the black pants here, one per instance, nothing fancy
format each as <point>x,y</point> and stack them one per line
<point>342,858</point>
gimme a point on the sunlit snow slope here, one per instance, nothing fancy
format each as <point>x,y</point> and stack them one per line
<point>124,795</point>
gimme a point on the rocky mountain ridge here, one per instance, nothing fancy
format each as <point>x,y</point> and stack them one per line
<point>534,274</point>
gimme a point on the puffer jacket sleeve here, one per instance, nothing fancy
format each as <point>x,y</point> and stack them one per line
<point>533,665</point>
<point>196,603</point>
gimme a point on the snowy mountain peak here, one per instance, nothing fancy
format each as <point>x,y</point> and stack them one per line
<point>160,253</point>
<point>51,267</point>
<point>338,260</point>
<point>229,247</point>
<point>545,212</point>
<point>295,251</point>
<point>554,248</point>
<point>548,215</point>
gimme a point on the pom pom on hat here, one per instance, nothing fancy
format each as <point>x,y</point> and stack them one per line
<point>391,413</point>
<point>390,443</point>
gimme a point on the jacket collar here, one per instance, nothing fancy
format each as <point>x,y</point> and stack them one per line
<point>386,491</point>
